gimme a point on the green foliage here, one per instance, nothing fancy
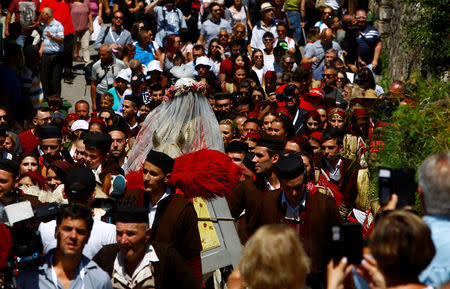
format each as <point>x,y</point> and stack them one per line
<point>417,130</point>
<point>428,28</point>
<point>386,78</point>
<point>420,129</point>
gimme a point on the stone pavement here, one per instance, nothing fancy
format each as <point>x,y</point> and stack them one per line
<point>78,89</point>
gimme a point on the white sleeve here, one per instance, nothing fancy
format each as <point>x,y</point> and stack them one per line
<point>47,232</point>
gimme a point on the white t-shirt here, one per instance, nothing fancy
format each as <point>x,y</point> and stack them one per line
<point>290,42</point>
<point>102,234</point>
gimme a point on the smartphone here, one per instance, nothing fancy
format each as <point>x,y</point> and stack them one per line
<point>347,241</point>
<point>400,181</point>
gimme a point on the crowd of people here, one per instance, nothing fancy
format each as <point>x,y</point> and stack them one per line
<point>285,89</point>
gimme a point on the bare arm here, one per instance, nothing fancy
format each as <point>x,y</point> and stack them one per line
<point>7,21</point>
<point>376,54</point>
<point>248,20</point>
<point>150,7</point>
<point>41,49</point>
<point>60,40</point>
<point>100,12</point>
<point>306,60</point>
<point>93,95</point>
<point>303,11</point>
<point>201,40</point>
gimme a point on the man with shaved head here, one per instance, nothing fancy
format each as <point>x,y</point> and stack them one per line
<point>315,53</point>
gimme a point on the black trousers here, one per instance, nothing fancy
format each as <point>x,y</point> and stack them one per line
<point>68,54</point>
<point>51,73</point>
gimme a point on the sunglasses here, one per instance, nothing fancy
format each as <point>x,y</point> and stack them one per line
<point>3,116</point>
<point>215,47</point>
<point>46,147</point>
<point>327,75</point>
<point>340,79</point>
<point>282,30</point>
<point>240,32</point>
<point>118,17</point>
<point>223,35</point>
<point>268,39</point>
<point>313,124</point>
<point>290,62</point>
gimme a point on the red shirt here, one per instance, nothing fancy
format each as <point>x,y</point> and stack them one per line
<point>28,141</point>
<point>61,12</point>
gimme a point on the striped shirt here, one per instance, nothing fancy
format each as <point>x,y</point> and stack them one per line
<point>57,30</point>
<point>32,81</point>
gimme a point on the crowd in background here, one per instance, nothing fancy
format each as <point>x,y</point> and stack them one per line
<point>293,86</point>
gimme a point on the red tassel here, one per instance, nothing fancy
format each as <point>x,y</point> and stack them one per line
<point>204,173</point>
<point>135,180</point>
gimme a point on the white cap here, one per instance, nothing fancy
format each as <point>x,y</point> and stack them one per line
<point>79,124</point>
<point>202,60</point>
<point>154,65</point>
<point>125,74</point>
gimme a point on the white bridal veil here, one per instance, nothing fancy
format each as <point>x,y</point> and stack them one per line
<point>184,124</point>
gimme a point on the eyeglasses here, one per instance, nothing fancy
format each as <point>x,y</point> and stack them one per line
<point>327,75</point>
<point>46,147</point>
<point>268,39</point>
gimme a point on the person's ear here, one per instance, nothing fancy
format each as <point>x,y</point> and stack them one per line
<point>275,158</point>
<point>16,182</point>
<point>56,232</point>
<point>167,177</point>
<point>64,194</point>
<point>35,123</point>
<point>148,233</point>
